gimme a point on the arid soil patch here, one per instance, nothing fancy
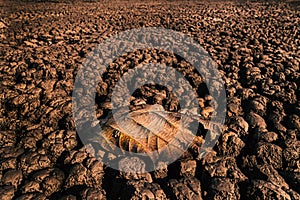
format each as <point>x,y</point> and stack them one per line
<point>256,49</point>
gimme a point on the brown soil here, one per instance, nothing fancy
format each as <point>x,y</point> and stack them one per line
<point>256,48</point>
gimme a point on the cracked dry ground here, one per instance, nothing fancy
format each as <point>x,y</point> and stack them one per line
<point>256,48</point>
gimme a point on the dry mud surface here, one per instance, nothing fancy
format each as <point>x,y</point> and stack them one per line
<point>256,48</point>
